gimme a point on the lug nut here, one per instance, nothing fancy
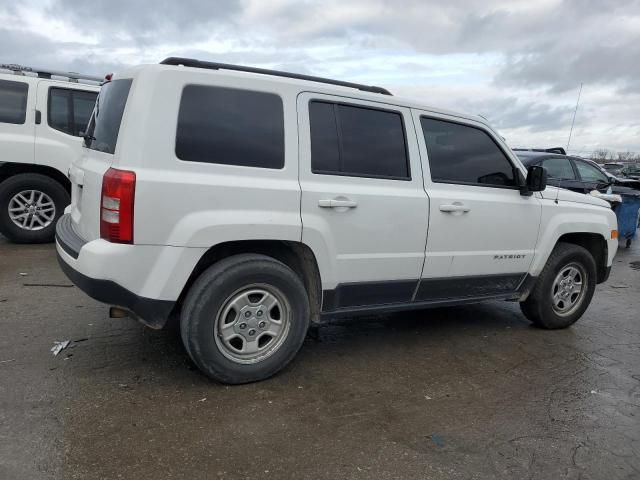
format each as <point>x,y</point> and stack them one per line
<point>243,326</point>
<point>252,332</point>
<point>259,313</point>
<point>247,314</point>
<point>262,324</point>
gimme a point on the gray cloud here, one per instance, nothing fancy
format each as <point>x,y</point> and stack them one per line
<point>510,112</point>
<point>35,50</point>
<point>146,21</point>
<point>562,68</point>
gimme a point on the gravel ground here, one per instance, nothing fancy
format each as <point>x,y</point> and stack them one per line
<point>466,392</point>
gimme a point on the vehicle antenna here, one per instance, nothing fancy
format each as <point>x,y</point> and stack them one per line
<point>574,117</point>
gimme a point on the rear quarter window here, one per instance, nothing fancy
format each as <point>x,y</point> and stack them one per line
<point>230,127</point>
<point>69,110</point>
<point>13,101</point>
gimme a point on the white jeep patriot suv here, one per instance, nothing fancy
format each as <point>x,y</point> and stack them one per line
<point>42,115</point>
<point>253,203</point>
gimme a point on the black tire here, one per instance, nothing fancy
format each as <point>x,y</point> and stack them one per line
<point>211,292</point>
<point>538,307</point>
<point>31,181</point>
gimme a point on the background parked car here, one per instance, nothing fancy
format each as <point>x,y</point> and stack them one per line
<point>614,168</point>
<point>631,171</point>
<point>42,115</point>
<point>568,172</point>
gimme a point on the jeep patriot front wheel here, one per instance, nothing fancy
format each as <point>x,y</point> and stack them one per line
<point>564,288</point>
<point>245,318</point>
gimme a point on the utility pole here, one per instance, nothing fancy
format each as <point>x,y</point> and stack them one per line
<point>574,117</point>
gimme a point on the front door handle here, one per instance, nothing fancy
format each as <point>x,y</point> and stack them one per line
<point>454,207</point>
<point>337,203</point>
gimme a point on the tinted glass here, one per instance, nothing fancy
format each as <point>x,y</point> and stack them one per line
<point>358,141</point>
<point>559,168</point>
<point>13,101</point>
<point>325,151</point>
<point>589,173</point>
<point>231,127</point>
<point>59,115</point>
<point>83,103</point>
<point>463,154</point>
<point>105,123</point>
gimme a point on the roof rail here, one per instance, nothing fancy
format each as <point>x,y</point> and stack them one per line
<point>190,62</point>
<point>559,150</point>
<point>47,73</point>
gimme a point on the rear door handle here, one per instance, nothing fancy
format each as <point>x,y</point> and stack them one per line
<point>337,203</point>
<point>454,207</point>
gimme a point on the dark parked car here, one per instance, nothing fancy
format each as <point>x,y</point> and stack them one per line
<point>614,167</point>
<point>632,171</point>
<point>574,173</point>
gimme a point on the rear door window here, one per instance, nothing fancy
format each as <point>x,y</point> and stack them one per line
<point>462,154</point>
<point>13,101</point>
<point>230,127</point>
<point>357,141</point>
<point>102,133</point>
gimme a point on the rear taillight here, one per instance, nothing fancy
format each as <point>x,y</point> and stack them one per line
<point>116,207</point>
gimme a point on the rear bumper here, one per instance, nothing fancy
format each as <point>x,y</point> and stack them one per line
<point>144,279</point>
<point>153,313</point>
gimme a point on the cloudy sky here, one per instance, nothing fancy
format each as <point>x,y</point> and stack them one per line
<point>519,63</point>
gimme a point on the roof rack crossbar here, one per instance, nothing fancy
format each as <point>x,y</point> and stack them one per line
<point>190,62</point>
<point>47,73</point>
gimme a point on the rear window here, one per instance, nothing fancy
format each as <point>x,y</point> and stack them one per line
<point>230,127</point>
<point>102,134</point>
<point>13,101</point>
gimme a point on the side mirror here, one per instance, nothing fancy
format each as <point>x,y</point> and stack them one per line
<point>536,179</point>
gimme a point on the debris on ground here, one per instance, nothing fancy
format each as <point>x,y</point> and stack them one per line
<point>7,361</point>
<point>23,274</point>
<point>64,285</point>
<point>619,286</point>
<point>59,346</point>
<point>437,440</point>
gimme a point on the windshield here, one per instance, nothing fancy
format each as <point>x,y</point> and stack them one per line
<point>104,126</point>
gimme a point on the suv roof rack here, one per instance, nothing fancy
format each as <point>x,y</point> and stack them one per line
<point>190,62</point>
<point>47,73</point>
<point>558,150</point>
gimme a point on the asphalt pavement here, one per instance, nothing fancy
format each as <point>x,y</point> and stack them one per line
<point>469,392</point>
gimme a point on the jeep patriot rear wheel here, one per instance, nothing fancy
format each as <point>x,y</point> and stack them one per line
<point>245,318</point>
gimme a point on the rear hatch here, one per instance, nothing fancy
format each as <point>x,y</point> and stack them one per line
<point>98,155</point>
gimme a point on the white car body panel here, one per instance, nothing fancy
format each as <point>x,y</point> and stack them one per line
<point>371,242</point>
<point>499,222</point>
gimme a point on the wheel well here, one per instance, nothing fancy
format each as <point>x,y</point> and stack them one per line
<point>10,169</point>
<point>597,247</point>
<point>295,255</point>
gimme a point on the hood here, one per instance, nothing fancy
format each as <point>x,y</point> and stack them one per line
<point>565,195</point>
